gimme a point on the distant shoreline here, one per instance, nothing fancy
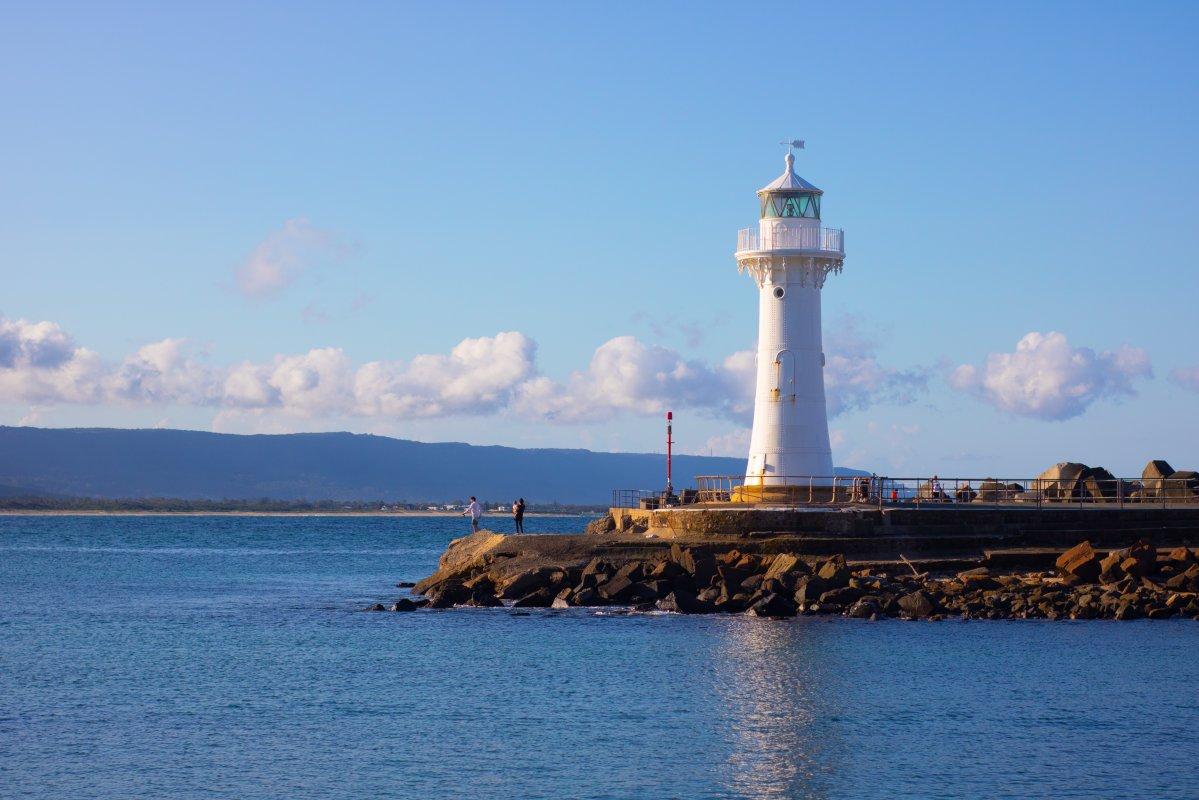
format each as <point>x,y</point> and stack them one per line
<point>134,513</point>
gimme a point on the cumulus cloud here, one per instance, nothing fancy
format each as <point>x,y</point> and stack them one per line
<point>627,376</point>
<point>1186,377</point>
<point>478,376</point>
<point>41,365</point>
<point>37,344</point>
<point>734,443</point>
<point>283,256</point>
<point>248,385</point>
<point>855,380</point>
<point>164,372</point>
<point>1048,378</point>
<point>313,383</point>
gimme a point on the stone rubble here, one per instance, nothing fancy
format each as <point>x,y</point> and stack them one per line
<point>1133,583</point>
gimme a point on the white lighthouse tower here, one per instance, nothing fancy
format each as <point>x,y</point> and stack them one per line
<point>789,254</point>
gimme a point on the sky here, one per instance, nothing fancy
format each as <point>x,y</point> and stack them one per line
<point>514,223</point>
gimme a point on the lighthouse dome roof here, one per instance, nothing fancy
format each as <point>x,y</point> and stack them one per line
<point>789,181</point>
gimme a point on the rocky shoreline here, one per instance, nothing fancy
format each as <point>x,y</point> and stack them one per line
<point>1130,583</point>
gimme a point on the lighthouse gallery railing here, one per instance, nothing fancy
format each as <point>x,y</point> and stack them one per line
<point>827,240</point>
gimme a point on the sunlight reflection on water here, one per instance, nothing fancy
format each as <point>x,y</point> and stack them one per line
<point>771,689</point>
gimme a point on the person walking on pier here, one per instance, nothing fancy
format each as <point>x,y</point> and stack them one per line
<point>476,512</point>
<point>518,515</point>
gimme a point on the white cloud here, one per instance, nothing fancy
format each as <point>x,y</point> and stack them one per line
<point>479,376</point>
<point>740,378</point>
<point>735,443</point>
<point>1047,378</point>
<point>1186,377</point>
<point>36,344</point>
<point>40,364</point>
<point>164,372</point>
<point>283,256</point>
<point>627,376</point>
<point>317,382</point>
<point>248,385</point>
<point>854,379</point>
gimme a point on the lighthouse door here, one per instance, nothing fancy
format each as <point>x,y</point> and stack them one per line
<point>757,465</point>
<point>784,375</point>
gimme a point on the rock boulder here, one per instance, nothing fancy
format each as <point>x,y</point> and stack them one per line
<point>603,525</point>
<point>773,605</point>
<point>1182,485</point>
<point>1099,484</point>
<point>916,605</point>
<point>448,594</point>
<point>1061,481</point>
<point>833,572</point>
<point>525,582</point>
<point>701,566</point>
<point>1079,564</point>
<point>683,603</point>
<point>541,598</point>
<point>786,567</point>
<point>1139,560</point>
<point>1152,477</point>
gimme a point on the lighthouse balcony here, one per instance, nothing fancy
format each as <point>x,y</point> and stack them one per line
<point>828,242</point>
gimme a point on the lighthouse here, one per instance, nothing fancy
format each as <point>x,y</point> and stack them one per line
<point>788,254</point>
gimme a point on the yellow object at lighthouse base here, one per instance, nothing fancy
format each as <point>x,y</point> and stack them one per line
<point>789,494</point>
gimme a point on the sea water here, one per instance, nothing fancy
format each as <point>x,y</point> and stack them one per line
<point>228,657</point>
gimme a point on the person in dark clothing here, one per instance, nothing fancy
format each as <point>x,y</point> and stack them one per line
<point>518,515</point>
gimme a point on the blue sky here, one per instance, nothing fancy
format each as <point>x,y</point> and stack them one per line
<point>272,196</point>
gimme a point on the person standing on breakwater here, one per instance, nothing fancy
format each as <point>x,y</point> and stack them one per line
<point>476,512</point>
<point>518,515</point>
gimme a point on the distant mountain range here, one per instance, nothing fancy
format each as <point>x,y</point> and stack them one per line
<point>119,463</point>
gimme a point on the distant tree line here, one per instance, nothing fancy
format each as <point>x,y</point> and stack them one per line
<point>261,505</point>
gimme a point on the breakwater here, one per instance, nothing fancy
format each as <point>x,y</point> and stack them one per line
<point>926,563</point>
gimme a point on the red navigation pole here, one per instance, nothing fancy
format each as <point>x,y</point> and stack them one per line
<point>669,444</point>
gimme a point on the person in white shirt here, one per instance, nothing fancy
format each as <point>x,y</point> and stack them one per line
<point>476,512</point>
<point>518,515</point>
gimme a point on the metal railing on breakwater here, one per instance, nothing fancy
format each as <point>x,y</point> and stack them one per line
<point>932,491</point>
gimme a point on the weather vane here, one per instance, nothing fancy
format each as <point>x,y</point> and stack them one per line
<point>794,144</point>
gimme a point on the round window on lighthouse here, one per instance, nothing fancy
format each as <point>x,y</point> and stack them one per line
<point>779,292</point>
